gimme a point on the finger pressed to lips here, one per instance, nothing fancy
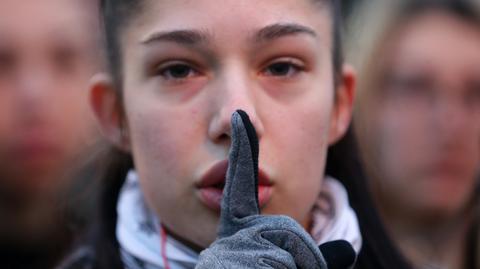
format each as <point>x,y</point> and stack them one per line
<point>210,187</point>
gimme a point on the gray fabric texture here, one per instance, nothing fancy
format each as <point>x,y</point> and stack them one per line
<point>247,239</point>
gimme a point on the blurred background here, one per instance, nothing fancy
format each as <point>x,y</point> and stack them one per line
<point>49,50</point>
<point>417,117</point>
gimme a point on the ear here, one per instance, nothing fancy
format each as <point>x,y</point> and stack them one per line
<point>107,107</point>
<point>342,110</point>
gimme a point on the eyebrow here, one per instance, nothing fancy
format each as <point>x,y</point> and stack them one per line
<point>279,30</point>
<point>194,37</point>
<point>186,37</point>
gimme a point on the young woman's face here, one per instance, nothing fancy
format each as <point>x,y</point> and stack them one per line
<point>427,132</point>
<point>188,65</point>
<point>46,60</point>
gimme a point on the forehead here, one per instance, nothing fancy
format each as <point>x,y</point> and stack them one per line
<point>32,17</point>
<point>439,40</point>
<point>232,17</point>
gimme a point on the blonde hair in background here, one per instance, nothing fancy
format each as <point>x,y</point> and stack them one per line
<point>370,28</point>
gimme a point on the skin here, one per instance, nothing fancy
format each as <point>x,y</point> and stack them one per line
<point>178,128</point>
<point>46,62</point>
<point>425,136</point>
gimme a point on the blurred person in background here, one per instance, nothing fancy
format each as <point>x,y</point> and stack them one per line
<point>348,6</point>
<point>48,51</point>
<point>418,121</point>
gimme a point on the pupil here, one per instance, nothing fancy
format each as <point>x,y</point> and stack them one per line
<point>279,69</point>
<point>179,71</point>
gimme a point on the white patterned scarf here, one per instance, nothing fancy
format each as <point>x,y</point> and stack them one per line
<point>140,237</point>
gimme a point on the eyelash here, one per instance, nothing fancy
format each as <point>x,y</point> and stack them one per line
<point>167,71</point>
<point>186,70</point>
<point>294,68</point>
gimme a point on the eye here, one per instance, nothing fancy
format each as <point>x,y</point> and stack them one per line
<point>7,61</point>
<point>283,69</point>
<point>177,71</point>
<point>64,59</point>
<point>410,85</point>
<point>473,95</point>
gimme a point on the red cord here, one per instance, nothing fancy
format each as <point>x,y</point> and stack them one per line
<point>163,241</point>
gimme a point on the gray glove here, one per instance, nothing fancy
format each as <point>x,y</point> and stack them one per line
<point>247,239</point>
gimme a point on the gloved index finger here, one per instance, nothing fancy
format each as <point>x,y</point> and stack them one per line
<point>240,195</point>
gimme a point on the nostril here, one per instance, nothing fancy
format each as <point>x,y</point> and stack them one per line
<point>224,137</point>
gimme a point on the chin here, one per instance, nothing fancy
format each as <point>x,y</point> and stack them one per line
<point>203,235</point>
<point>441,207</point>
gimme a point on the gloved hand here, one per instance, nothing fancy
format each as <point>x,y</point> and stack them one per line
<point>247,239</point>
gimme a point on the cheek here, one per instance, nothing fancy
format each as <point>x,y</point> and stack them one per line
<point>301,129</point>
<point>80,123</point>
<point>7,132</point>
<point>6,109</point>
<point>299,145</point>
<point>158,150</point>
<point>401,139</point>
<point>161,140</point>
<point>305,138</point>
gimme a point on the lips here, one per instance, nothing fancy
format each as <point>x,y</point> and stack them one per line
<point>212,183</point>
<point>35,150</point>
<point>448,169</point>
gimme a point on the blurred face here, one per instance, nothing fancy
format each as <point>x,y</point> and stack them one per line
<point>46,59</point>
<point>427,128</point>
<point>188,65</point>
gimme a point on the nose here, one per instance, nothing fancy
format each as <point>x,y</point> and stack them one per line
<point>33,92</point>
<point>232,91</point>
<point>33,87</point>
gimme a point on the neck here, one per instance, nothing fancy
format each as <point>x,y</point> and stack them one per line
<point>430,240</point>
<point>29,220</point>
<point>31,235</point>
<point>184,241</point>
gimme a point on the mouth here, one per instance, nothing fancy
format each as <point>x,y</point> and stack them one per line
<point>35,151</point>
<point>448,169</point>
<point>213,181</point>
